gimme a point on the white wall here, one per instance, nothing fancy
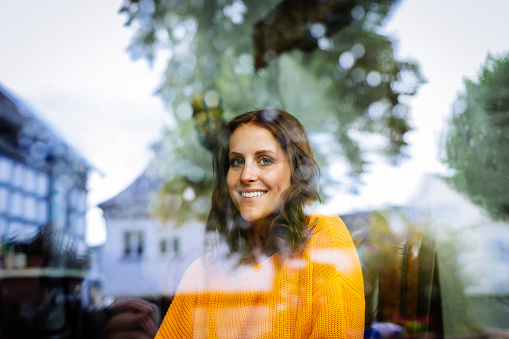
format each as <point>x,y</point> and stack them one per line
<point>154,273</point>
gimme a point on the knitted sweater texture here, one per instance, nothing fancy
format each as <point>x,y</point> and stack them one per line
<point>317,293</point>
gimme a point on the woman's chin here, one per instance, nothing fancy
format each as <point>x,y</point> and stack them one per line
<point>250,217</point>
<point>256,219</point>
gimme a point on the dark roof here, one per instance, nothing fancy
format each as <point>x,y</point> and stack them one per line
<point>21,128</point>
<point>11,122</point>
<point>133,201</point>
<point>9,110</point>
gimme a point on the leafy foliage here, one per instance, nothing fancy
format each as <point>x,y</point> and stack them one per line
<point>477,138</point>
<point>344,90</point>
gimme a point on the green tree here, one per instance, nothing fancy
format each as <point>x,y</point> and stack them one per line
<point>324,62</point>
<point>476,139</point>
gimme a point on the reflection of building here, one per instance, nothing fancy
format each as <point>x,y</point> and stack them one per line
<point>473,258</point>
<point>43,253</point>
<point>141,256</point>
<point>42,179</point>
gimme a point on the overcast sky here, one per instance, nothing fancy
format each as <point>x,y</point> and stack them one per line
<point>68,59</point>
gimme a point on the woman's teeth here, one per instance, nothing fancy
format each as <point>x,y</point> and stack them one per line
<point>253,194</point>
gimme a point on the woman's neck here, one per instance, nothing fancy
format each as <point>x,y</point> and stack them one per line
<point>260,230</point>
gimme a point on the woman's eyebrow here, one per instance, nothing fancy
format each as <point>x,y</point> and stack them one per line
<point>264,151</point>
<point>236,154</point>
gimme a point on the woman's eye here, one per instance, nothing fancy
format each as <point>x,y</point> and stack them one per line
<point>237,162</point>
<point>266,161</point>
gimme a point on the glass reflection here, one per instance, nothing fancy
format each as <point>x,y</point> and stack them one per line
<point>435,267</point>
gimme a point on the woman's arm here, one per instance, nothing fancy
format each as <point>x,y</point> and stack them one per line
<point>338,291</point>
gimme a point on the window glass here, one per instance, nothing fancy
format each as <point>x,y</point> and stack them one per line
<point>3,226</point>
<point>176,245</point>
<point>42,211</point>
<point>30,180</point>
<point>77,223</point>
<point>73,199</point>
<point>500,250</point>
<point>82,201</point>
<point>17,203</point>
<point>42,184</point>
<point>406,107</point>
<point>5,169</point>
<point>30,208</point>
<point>59,204</point>
<point>19,175</point>
<point>140,244</point>
<point>162,246</point>
<point>133,244</point>
<point>78,200</point>
<point>127,244</point>
<point>4,195</point>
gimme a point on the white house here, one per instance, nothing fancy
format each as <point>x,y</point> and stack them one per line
<point>141,256</point>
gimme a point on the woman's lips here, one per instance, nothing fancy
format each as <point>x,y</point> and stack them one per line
<point>252,194</point>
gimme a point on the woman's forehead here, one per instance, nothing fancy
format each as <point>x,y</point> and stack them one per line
<point>253,137</point>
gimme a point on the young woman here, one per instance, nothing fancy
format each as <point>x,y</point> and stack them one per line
<point>273,272</point>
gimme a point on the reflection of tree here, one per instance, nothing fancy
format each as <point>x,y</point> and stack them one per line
<point>400,273</point>
<point>453,282</point>
<point>477,138</point>
<point>346,89</point>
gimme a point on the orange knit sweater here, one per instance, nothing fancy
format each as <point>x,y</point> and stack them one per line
<point>315,294</point>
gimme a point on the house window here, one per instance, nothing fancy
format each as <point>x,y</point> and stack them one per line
<point>5,169</point>
<point>77,207</point>
<point>169,245</point>
<point>133,244</point>
<point>500,250</point>
<point>59,202</point>
<point>42,185</point>
<point>162,246</point>
<point>4,198</point>
<point>176,245</point>
<point>23,198</point>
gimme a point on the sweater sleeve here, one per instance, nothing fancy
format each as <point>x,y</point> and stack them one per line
<point>178,321</point>
<point>338,291</point>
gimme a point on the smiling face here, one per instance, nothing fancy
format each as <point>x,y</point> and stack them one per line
<point>259,172</point>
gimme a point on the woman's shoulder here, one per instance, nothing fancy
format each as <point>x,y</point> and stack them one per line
<point>330,243</point>
<point>328,225</point>
<point>325,219</point>
<point>330,239</point>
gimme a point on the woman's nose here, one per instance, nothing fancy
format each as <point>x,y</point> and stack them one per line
<point>248,173</point>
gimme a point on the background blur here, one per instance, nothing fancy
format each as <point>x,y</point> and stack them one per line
<point>108,108</point>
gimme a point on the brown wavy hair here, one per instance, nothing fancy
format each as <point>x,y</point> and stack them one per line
<point>288,229</point>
